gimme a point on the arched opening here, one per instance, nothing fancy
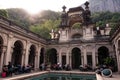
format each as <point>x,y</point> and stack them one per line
<point>76,36</point>
<point>17,53</point>
<point>119,45</point>
<point>1,47</point>
<point>103,53</point>
<point>75,15</point>
<point>115,59</point>
<point>76,58</point>
<point>77,25</point>
<point>31,60</point>
<point>42,56</point>
<point>53,56</point>
<point>119,53</point>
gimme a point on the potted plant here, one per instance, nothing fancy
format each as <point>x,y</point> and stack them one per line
<point>109,62</point>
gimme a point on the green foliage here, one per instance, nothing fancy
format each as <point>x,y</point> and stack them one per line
<point>41,30</point>
<point>109,61</point>
<point>42,23</point>
<point>45,21</point>
<point>100,23</point>
<point>101,19</point>
<point>48,14</point>
<point>4,13</point>
<point>45,28</point>
<point>77,26</point>
<point>19,16</point>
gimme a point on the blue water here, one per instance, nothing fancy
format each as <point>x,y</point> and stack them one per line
<point>56,76</point>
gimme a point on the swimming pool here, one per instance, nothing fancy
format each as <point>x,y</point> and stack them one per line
<point>63,76</point>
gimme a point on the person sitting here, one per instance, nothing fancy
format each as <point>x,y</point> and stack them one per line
<point>10,69</point>
<point>28,69</point>
<point>81,67</point>
<point>42,67</point>
<point>23,68</point>
<point>19,68</point>
<point>68,68</point>
<point>4,71</point>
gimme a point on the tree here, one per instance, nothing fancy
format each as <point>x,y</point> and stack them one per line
<point>101,19</point>
<point>19,16</point>
<point>4,13</point>
<point>45,28</point>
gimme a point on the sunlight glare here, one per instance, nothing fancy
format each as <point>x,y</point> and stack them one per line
<point>36,6</point>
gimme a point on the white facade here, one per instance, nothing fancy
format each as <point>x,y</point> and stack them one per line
<point>86,43</point>
<point>83,40</point>
<point>11,34</point>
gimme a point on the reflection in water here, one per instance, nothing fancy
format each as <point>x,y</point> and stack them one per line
<point>63,77</point>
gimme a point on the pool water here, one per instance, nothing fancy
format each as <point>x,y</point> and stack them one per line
<point>57,76</point>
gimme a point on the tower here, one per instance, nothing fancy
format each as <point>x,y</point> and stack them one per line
<point>70,18</point>
<point>63,28</point>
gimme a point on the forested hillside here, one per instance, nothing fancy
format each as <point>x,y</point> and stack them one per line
<point>19,16</point>
<point>43,22</point>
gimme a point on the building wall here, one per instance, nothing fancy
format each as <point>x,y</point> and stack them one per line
<point>12,33</point>
<point>116,44</point>
<point>85,48</point>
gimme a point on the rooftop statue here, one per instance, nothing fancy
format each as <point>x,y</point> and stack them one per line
<point>86,14</point>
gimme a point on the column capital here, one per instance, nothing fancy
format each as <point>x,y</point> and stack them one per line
<point>4,49</point>
<point>36,53</point>
<point>11,51</point>
<point>84,47</point>
<point>118,48</point>
<point>10,36</point>
<point>28,42</point>
<point>24,50</point>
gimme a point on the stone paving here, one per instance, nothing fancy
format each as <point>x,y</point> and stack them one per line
<point>115,76</point>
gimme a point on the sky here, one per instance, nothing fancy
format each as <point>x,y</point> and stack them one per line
<point>35,6</point>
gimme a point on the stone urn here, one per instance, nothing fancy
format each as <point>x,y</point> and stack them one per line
<point>107,73</point>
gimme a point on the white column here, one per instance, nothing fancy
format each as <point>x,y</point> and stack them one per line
<point>2,59</point>
<point>85,56</point>
<point>8,53</point>
<point>23,57</point>
<point>67,57</point>
<point>11,52</point>
<point>27,53</point>
<point>70,59</point>
<point>118,59</point>
<point>119,62</point>
<point>117,56</point>
<point>60,59</point>
<point>82,59</point>
<point>38,58</point>
<point>93,58</point>
<point>36,61</point>
<point>96,58</point>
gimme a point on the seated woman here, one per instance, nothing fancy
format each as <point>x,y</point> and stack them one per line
<point>5,71</point>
